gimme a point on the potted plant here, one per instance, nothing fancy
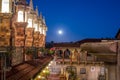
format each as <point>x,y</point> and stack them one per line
<point>28,54</point>
<point>8,58</point>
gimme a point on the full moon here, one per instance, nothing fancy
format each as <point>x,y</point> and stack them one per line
<point>60,32</point>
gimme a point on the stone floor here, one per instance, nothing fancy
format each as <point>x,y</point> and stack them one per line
<point>27,70</point>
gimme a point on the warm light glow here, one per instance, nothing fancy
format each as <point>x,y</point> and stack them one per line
<point>39,76</point>
<point>35,27</point>
<point>29,23</point>
<point>43,71</point>
<point>20,16</point>
<point>49,64</point>
<point>5,6</point>
<point>47,67</point>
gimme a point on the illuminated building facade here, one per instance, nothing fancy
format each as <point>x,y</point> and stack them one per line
<point>21,27</point>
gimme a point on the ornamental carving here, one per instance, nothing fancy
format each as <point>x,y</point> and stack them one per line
<point>5,31</point>
<point>29,37</point>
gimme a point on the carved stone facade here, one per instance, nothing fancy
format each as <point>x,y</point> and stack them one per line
<point>36,39</point>
<point>41,41</point>
<point>20,27</point>
<point>5,31</point>
<point>20,34</point>
<point>29,37</point>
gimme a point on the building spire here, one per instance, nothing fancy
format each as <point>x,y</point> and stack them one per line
<point>40,15</point>
<point>37,11</point>
<point>23,2</point>
<point>31,4</point>
<point>44,20</point>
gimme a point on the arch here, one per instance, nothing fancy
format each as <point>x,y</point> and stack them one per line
<point>67,53</point>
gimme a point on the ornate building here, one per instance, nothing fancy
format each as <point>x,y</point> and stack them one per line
<point>21,27</point>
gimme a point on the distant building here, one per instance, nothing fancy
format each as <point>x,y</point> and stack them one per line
<point>99,58</point>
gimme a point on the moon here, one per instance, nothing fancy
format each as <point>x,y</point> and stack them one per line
<point>60,32</point>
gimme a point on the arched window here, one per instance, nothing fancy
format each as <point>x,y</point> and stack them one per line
<point>20,16</point>
<point>44,32</point>
<point>5,6</point>
<point>40,30</point>
<point>35,27</point>
<point>29,23</point>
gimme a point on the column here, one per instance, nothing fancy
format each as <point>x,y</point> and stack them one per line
<point>29,37</point>
<point>18,55</point>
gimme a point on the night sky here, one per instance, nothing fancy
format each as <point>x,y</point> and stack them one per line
<point>80,19</point>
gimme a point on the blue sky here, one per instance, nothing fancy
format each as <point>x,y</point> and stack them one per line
<point>80,19</point>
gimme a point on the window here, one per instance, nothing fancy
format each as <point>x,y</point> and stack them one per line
<point>82,70</point>
<point>20,16</point>
<point>40,30</point>
<point>35,27</point>
<point>44,32</point>
<point>5,6</point>
<point>25,16</point>
<point>29,23</point>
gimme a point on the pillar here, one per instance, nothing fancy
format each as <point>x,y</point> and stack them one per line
<point>18,55</point>
<point>29,37</point>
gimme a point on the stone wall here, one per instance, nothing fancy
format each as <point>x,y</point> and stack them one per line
<point>91,71</point>
<point>118,62</point>
<point>5,29</point>
<point>111,72</point>
<point>17,56</point>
